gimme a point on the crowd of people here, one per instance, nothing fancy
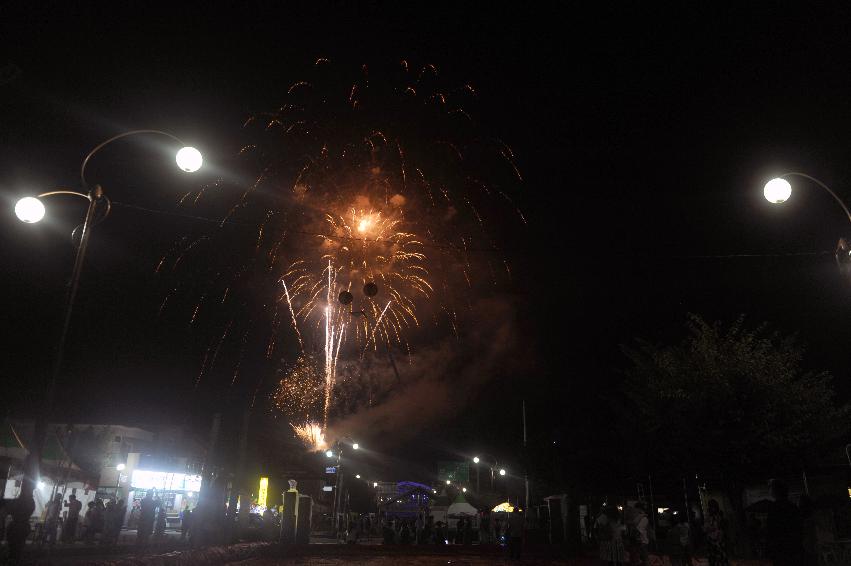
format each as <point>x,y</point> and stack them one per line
<point>624,535</point>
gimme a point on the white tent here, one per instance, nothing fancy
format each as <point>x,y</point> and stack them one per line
<point>460,508</point>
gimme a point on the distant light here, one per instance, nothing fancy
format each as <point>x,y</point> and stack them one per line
<point>29,210</point>
<point>358,476</point>
<point>355,446</point>
<point>476,460</point>
<point>328,488</point>
<point>120,467</point>
<point>502,472</point>
<point>777,190</point>
<point>41,484</point>
<point>189,159</point>
<point>330,454</point>
<point>464,489</point>
<point>375,484</point>
<point>448,482</point>
<point>434,491</point>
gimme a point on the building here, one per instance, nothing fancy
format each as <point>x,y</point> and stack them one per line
<point>104,461</point>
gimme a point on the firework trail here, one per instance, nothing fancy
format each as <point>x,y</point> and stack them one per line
<point>380,182</point>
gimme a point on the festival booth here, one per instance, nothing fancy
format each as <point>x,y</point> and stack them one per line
<point>461,509</point>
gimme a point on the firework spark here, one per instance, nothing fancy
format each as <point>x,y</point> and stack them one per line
<point>384,187</point>
<point>311,435</point>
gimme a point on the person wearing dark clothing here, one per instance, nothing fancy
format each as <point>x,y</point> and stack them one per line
<point>459,531</point>
<point>468,532</point>
<point>515,532</point>
<point>147,515</point>
<point>783,526</point>
<point>405,534</point>
<point>159,530</point>
<point>69,527</point>
<point>186,521</point>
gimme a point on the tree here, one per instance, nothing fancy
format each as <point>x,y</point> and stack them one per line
<point>731,402</point>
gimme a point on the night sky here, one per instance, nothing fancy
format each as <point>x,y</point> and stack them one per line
<point>644,136</point>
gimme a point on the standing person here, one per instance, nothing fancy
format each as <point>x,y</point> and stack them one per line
<point>642,526</point>
<point>69,529</point>
<point>468,531</point>
<point>682,540</point>
<point>108,523</point>
<point>714,526</point>
<point>51,520</point>
<point>459,531</point>
<point>186,521</point>
<point>147,511</point>
<point>608,531</point>
<point>118,518</point>
<point>784,527</point>
<point>159,531</point>
<point>515,531</point>
<point>89,523</point>
<point>484,527</point>
<point>418,528</point>
<point>405,534</point>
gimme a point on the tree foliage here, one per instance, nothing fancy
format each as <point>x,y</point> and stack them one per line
<point>731,400</point>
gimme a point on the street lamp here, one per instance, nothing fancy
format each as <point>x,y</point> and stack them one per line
<point>501,471</point>
<point>120,467</point>
<point>31,210</point>
<point>476,461</point>
<point>370,290</point>
<point>778,190</point>
<point>338,500</point>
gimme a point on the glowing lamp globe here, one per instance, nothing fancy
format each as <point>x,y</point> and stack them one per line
<point>189,159</point>
<point>476,460</point>
<point>502,472</point>
<point>29,210</point>
<point>120,467</point>
<point>777,190</point>
<point>358,476</point>
<point>355,446</point>
<point>329,454</point>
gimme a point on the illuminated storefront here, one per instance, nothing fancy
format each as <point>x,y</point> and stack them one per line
<point>175,489</point>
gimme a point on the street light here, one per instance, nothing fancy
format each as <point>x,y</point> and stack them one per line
<point>370,290</point>
<point>778,190</point>
<point>120,467</point>
<point>357,476</point>
<point>31,210</point>
<point>355,446</point>
<point>189,159</point>
<point>329,454</point>
<point>501,472</point>
<point>476,461</point>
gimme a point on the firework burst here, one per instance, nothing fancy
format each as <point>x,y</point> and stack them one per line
<point>374,189</point>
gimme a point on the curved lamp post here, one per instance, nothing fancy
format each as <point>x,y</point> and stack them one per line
<point>493,467</point>
<point>369,290</point>
<point>778,191</point>
<point>31,210</point>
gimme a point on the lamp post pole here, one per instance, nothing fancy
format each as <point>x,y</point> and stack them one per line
<point>25,504</point>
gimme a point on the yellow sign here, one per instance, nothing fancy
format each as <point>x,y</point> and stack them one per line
<point>263,491</point>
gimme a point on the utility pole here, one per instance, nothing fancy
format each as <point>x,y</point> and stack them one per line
<point>525,458</point>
